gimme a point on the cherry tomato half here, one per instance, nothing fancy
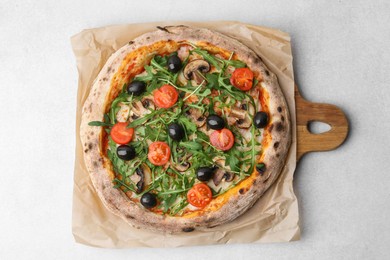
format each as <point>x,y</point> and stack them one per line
<point>199,195</point>
<point>159,153</point>
<point>166,96</point>
<point>222,139</point>
<point>242,78</point>
<point>121,134</point>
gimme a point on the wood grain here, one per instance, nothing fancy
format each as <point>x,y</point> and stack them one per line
<point>307,112</point>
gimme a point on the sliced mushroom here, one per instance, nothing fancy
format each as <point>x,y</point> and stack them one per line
<point>241,115</point>
<point>220,175</point>
<point>238,113</point>
<point>140,108</point>
<point>244,123</point>
<point>195,68</point>
<point>197,116</point>
<point>182,167</point>
<point>142,177</point>
<point>148,104</point>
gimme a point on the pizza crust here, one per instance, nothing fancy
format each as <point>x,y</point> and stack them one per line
<point>240,198</point>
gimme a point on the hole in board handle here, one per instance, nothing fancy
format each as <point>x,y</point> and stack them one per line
<point>318,127</point>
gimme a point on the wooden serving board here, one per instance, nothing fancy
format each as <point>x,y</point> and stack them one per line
<point>307,112</point>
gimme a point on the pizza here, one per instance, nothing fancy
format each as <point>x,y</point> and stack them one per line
<point>184,129</point>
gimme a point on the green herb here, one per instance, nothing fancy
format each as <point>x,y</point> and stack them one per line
<point>188,124</point>
<point>232,158</point>
<point>98,123</point>
<point>192,145</point>
<point>145,118</point>
<point>235,63</point>
<point>210,58</point>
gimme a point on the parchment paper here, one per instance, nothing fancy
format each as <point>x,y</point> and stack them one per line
<point>274,218</point>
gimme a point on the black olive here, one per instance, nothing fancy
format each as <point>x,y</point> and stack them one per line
<point>215,122</point>
<point>261,119</point>
<point>205,173</point>
<point>260,168</point>
<point>176,131</point>
<point>136,87</point>
<point>174,64</point>
<point>125,152</point>
<point>148,200</point>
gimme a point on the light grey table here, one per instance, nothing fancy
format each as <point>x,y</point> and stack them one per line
<point>342,56</point>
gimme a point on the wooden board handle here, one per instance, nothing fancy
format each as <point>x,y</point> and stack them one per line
<point>307,112</point>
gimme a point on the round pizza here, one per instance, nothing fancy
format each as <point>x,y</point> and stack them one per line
<point>184,129</point>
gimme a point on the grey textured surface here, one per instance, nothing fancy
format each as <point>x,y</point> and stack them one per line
<point>342,56</point>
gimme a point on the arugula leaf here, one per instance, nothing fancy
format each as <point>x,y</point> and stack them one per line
<point>212,80</point>
<point>122,97</point>
<point>232,159</point>
<point>235,63</point>
<point>99,123</point>
<point>161,60</point>
<point>192,145</point>
<point>235,93</point>
<point>210,58</point>
<point>188,124</point>
<point>148,77</point>
<point>145,118</point>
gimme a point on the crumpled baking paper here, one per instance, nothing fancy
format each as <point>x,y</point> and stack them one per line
<point>274,218</point>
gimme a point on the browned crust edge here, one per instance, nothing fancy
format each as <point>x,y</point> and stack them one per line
<point>117,202</point>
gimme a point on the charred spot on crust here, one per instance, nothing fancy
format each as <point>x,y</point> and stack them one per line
<point>278,155</point>
<point>279,109</point>
<point>147,38</point>
<point>86,150</point>
<point>276,145</point>
<point>95,164</point>
<point>209,220</point>
<point>111,202</point>
<point>279,127</point>
<point>188,229</point>
<point>131,42</point>
<point>282,118</point>
<point>163,29</point>
<point>108,69</point>
<point>267,72</point>
<point>241,191</point>
<point>90,146</point>
<point>270,128</point>
<point>129,216</point>
<point>105,79</point>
